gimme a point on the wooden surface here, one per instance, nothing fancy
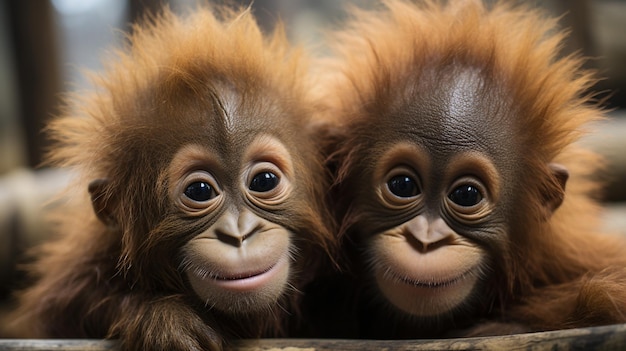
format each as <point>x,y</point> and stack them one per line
<point>611,337</point>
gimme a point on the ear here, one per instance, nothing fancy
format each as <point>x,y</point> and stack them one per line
<point>553,197</point>
<point>102,202</point>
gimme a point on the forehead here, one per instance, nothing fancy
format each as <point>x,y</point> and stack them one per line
<point>218,114</point>
<point>451,110</point>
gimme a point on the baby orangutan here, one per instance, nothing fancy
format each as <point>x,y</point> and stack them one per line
<point>460,122</point>
<point>197,213</point>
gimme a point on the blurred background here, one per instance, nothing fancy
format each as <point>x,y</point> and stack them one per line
<point>44,45</point>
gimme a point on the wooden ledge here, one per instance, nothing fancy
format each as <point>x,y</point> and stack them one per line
<point>612,337</point>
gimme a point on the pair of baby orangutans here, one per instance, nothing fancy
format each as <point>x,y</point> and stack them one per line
<point>429,156</point>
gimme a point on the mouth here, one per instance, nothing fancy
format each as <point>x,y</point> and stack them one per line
<point>246,280</point>
<point>427,295</point>
<point>245,275</point>
<point>432,283</point>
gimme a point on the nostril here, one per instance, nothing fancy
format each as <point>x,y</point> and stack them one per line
<point>416,243</point>
<point>425,234</point>
<point>427,244</point>
<point>422,246</point>
<point>251,232</point>
<point>444,241</point>
<point>234,240</point>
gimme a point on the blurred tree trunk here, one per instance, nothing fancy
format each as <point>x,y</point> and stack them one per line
<point>35,46</point>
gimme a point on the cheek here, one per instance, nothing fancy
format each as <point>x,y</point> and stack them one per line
<point>425,283</point>
<point>244,278</point>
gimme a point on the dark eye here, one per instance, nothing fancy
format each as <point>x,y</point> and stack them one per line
<point>200,191</point>
<point>466,196</point>
<point>403,186</point>
<point>263,182</point>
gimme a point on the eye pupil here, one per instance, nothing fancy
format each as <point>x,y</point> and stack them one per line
<point>466,196</point>
<point>263,182</point>
<point>403,186</point>
<point>200,191</point>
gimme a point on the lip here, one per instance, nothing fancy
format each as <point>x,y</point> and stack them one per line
<point>426,296</point>
<point>250,280</point>
<point>426,285</point>
<point>243,275</point>
<point>432,284</point>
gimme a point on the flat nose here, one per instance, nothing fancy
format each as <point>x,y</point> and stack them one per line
<point>234,227</point>
<point>427,234</point>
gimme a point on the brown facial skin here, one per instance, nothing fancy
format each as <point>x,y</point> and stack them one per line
<point>230,224</point>
<point>204,214</point>
<point>460,123</point>
<point>440,191</point>
<point>241,262</point>
<point>441,185</point>
<point>423,257</point>
<point>435,222</point>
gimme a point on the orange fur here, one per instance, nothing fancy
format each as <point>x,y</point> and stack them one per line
<point>122,281</point>
<point>558,273</point>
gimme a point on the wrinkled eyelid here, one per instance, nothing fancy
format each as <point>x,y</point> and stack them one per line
<point>196,207</point>
<point>476,167</point>
<point>472,214</point>
<point>189,160</point>
<point>268,149</point>
<point>200,176</point>
<point>260,167</point>
<point>277,195</point>
<point>396,202</point>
